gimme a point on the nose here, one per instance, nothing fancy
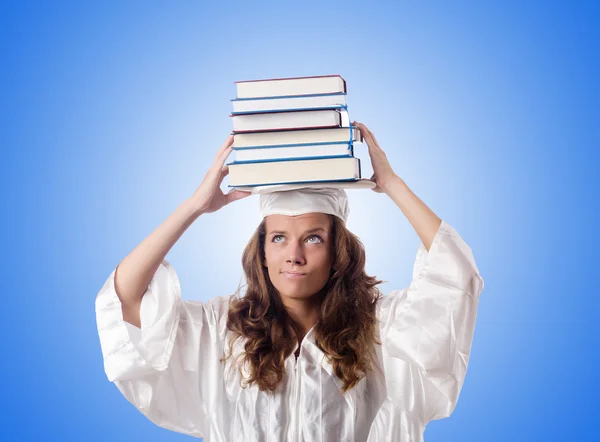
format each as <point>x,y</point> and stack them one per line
<point>295,254</point>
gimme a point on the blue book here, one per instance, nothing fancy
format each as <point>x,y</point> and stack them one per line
<point>274,104</point>
<point>338,135</point>
<point>266,153</point>
<point>290,120</point>
<point>289,171</point>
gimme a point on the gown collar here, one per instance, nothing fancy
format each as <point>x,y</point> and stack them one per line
<point>306,343</point>
<point>310,352</point>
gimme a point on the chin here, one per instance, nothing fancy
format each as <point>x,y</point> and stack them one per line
<point>290,291</point>
<point>296,295</point>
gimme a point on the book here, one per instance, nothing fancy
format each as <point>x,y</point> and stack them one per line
<point>247,105</point>
<point>308,150</point>
<point>294,120</point>
<point>280,87</point>
<point>294,171</point>
<point>296,138</point>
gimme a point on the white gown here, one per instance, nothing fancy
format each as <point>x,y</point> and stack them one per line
<point>170,371</point>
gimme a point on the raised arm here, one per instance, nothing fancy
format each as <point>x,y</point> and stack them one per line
<point>426,329</point>
<point>134,273</point>
<point>160,351</point>
<point>424,221</point>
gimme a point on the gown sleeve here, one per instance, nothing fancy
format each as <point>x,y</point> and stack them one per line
<point>427,329</point>
<point>169,368</point>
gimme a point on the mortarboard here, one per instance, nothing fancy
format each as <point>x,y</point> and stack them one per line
<point>297,199</point>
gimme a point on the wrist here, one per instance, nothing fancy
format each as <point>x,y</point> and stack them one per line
<point>194,207</point>
<point>393,182</point>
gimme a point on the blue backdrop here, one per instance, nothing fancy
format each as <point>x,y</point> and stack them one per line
<point>112,114</point>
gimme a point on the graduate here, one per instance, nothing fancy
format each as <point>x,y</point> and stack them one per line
<point>312,351</point>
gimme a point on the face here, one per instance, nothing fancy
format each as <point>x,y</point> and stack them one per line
<point>300,244</point>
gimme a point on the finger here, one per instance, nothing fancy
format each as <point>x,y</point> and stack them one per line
<point>220,161</point>
<point>224,148</point>
<point>372,135</point>
<point>360,126</point>
<point>366,133</point>
<point>228,142</point>
<point>363,132</point>
<point>375,145</point>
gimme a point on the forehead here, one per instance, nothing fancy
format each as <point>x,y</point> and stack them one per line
<point>305,221</point>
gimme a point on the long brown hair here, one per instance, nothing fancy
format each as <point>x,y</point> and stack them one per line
<point>345,331</point>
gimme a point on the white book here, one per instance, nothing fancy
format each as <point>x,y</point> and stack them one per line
<point>289,103</point>
<point>305,119</point>
<point>276,153</point>
<point>278,87</point>
<point>295,137</point>
<point>294,171</point>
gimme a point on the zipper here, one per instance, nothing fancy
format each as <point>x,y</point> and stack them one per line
<point>296,416</point>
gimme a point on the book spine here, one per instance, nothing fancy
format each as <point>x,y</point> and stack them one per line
<point>289,145</point>
<point>297,182</point>
<point>278,111</point>
<point>285,129</point>
<point>278,160</point>
<point>289,78</point>
<point>356,137</point>
<point>287,96</point>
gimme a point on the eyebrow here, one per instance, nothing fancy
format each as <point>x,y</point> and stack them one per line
<point>283,232</point>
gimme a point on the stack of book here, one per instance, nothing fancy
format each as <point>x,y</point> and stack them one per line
<point>292,130</point>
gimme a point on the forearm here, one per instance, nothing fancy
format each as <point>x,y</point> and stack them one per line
<point>424,221</point>
<point>134,273</point>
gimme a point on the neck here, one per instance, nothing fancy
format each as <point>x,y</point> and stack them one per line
<point>304,314</point>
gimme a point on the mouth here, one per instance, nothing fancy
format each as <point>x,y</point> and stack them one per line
<point>293,275</point>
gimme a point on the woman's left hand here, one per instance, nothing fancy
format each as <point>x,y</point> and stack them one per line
<point>383,173</point>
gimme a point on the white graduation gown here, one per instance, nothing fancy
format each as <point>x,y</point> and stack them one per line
<point>170,371</point>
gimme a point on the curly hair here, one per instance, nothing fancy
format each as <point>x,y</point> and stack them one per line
<point>345,331</point>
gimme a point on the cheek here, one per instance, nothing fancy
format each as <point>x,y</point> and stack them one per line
<point>271,256</point>
<point>273,262</point>
<point>321,261</point>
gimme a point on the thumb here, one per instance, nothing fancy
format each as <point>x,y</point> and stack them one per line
<point>223,173</point>
<point>376,189</point>
<point>235,195</point>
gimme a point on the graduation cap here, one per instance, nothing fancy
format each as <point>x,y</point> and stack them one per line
<point>297,199</point>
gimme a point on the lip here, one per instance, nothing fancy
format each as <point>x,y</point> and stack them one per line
<point>293,275</point>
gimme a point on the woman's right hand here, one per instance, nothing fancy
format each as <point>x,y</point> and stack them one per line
<point>209,197</point>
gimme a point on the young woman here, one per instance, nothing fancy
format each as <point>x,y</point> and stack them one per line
<point>311,351</point>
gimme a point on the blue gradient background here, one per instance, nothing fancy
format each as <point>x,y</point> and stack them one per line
<point>111,115</point>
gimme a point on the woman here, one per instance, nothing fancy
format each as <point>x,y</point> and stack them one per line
<point>312,352</point>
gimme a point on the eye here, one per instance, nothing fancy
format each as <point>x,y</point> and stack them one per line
<point>316,236</point>
<point>274,239</point>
